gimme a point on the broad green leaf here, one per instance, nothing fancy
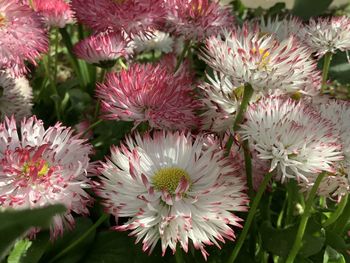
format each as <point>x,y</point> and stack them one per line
<point>14,224</point>
<point>81,226</point>
<point>308,8</point>
<point>332,256</point>
<point>340,68</point>
<point>111,247</point>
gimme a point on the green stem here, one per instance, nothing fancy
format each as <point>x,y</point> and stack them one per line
<point>250,217</point>
<point>248,168</point>
<point>178,255</point>
<point>56,57</point>
<point>81,238</point>
<point>340,225</point>
<point>247,94</point>
<point>304,219</point>
<point>326,64</point>
<point>337,213</point>
<point>182,55</point>
<point>91,127</point>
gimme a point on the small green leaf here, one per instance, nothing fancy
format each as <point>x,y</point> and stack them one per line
<point>332,256</point>
<point>18,251</point>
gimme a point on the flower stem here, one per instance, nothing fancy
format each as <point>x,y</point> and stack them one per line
<point>304,219</point>
<point>250,217</point>
<point>77,241</point>
<point>337,213</point>
<point>182,55</point>
<point>247,94</point>
<point>326,64</point>
<point>91,127</point>
<point>341,224</point>
<point>248,168</point>
<point>56,57</point>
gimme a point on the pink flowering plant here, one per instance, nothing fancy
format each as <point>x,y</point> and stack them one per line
<point>174,131</point>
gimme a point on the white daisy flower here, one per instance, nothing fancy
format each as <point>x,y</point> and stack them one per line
<point>174,188</point>
<point>249,56</point>
<point>293,136</point>
<point>283,29</point>
<point>16,96</point>
<point>324,35</point>
<point>154,41</point>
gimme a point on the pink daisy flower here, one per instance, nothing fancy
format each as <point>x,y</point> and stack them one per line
<point>174,188</point>
<point>42,166</point>
<point>22,37</point>
<point>102,48</point>
<point>130,16</point>
<point>149,93</point>
<point>197,19</point>
<point>57,13</point>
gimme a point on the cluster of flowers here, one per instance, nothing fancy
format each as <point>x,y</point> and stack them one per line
<point>175,182</point>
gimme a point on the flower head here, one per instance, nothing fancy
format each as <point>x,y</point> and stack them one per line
<point>154,41</point>
<point>261,60</point>
<point>41,167</point>
<point>324,35</point>
<point>15,97</point>
<point>197,19</point>
<point>149,93</point>
<point>132,17</point>
<point>102,48</point>
<point>57,13</point>
<point>174,188</point>
<point>296,139</point>
<point>22,37</point>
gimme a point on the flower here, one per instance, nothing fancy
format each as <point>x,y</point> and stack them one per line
<point>337,184</point>
<point>174,188</point>
<point>57,13</point>
<point>22,37</point>
<point>156,41</point>
<point>197,19</point>
<point>296,139</point>
<point>149,93</point>
<point>102,48</point>
<point>220,103</point>
<point>261,60</point>
<point>42,167</point>
<point>324,35</point>
<point>282,29</point>
<point>16,97</point>
<point>132,17</point>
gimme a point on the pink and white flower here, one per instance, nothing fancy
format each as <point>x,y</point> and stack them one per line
<point>132,17</point>
<point>149,93</point>
<point>102,48</point>
<point>261,60</point>
<point>22,37</point>
<point>175,189</point>
<point>40,167</point>
<point>324,35</point>
<point>16,97</point>
<point>293,136</point>
<point>57,13</point>
<point>197,19</point>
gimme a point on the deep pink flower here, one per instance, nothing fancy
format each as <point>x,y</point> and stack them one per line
<point>22,37</point>
<point>129,16</point>
<point>102,48</point>
<point>40,167</point>
<point>149,93</point>
<point>57,13</point>
<point>197,19</point>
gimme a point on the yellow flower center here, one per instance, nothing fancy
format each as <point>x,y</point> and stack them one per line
<point>169,178</point>
<point>2,20</point>
<point>44,168</point>
<point>264,61</point>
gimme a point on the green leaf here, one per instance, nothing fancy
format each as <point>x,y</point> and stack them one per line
<point>111,247</point>
<point>14,224</point>
<point>19,250</point>
<point>340,68</point>
<point>308,8</point>
<point>81,226</point>
<point>332,256</point>
<point>335,241</point>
